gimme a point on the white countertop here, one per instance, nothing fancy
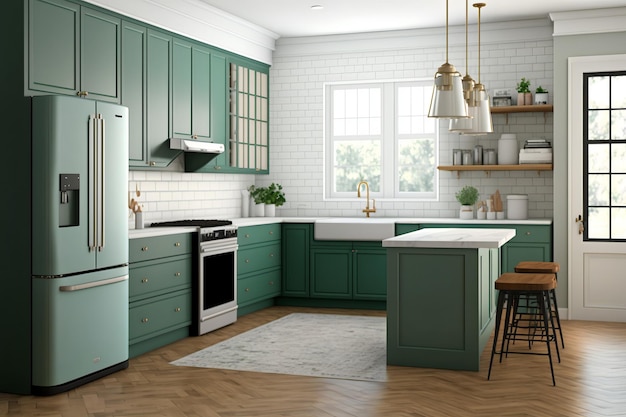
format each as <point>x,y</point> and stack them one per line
<point>255,221</point>
<point>451,238</point>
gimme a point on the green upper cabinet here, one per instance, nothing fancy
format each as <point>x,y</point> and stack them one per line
<point>159,99</point>
<point>73,50</point>
<point>248,117</point>
<point>134,44</point>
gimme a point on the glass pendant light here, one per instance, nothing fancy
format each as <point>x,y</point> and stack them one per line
<point>465,124</point>
<point>479,107</point>
<point>447,101</point>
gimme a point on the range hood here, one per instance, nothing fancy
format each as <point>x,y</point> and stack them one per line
<point>189,145</point>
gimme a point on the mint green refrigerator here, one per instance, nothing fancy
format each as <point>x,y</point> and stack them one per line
<point>79,241</point>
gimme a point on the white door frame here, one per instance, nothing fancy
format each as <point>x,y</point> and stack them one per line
<point>588,300</point>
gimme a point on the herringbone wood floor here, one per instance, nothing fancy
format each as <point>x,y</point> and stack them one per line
<point>591,381</point>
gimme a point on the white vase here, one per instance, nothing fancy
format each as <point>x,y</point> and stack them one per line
<point>259,210</point>
<point>270,210</point>
<point>245,203</point>
<point>466,212</point>
<point>139,220</point>
<point>541,98</point>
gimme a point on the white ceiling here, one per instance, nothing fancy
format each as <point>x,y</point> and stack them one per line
<point>289,18</point>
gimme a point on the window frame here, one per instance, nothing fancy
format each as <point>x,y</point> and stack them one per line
<point>389,137</point>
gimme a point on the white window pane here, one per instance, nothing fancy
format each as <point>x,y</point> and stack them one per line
<point>598,189</point>
<point>404,125</point>
<point>618,124</point>
<point>339,127</point>
<point>618,223</point>
<point>375,126</point>
<point>352,103</point>
<point>363,126</point>
<point>363,109</point>
<point>375,103</point>
<point>618,158</point>
<point>598,223</point>
<point>618,91</point>
<point>351,127</point>
<point>598,157</point>
<point>339,104</point>
<point>404,101</point>
<point>598,92</point>
<point>618,190</point>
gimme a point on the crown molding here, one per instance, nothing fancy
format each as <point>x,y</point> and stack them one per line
<point>589,21</point>
<point>491,33</point>
<point>197,20</point>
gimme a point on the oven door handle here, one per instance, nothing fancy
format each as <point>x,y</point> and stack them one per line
<point>216,249</point>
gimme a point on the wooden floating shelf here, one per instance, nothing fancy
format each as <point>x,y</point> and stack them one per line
<point>489,168</point>
<point>538,108</point>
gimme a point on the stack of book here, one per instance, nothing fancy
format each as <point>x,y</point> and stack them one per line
<point>536,151</point>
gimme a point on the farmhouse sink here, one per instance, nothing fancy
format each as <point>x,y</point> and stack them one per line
<point>351,228</point>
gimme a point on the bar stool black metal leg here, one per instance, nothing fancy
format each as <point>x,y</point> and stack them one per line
<point>499,307</point>
<point>558,318</point>
<point>543,298</point>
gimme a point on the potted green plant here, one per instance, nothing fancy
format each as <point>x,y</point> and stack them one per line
<point>524,96</point>
<point>257,194</point>
<point>541,95</point>
<point>273,196</point>
<point>467,197</point>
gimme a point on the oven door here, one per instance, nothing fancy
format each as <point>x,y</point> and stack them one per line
<point>217,295</point>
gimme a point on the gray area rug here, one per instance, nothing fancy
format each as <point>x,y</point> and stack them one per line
<point>320,345</point>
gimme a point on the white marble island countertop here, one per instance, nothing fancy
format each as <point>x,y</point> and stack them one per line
<point>451,238</point>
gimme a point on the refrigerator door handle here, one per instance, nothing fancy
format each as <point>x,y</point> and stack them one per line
<point>78,287</point>
<point>102,174</point>
<point>92,228</point>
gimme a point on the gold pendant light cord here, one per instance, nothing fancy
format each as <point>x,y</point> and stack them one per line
<point>447,31</point>
<point>479,6</point>
<point>466,37</point>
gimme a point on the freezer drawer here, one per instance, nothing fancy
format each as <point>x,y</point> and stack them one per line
<point>80,326</point>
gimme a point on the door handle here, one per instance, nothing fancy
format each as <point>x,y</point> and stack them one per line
<point>581,224</point>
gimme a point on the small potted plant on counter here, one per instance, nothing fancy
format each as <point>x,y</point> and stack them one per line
<point>541,95</point>
<point>524,96</point>
<point>257,194</point>
<point>467,197</point>
<point>273,197</point>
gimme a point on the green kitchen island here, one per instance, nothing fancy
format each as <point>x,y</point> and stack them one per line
<point>441,299</point>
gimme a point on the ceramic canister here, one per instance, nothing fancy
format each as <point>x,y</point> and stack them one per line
<point>508,150</point>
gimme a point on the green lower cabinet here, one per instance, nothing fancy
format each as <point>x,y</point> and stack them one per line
<point>160,286</point>
<point>440,306</point>
<point>295,259</point>
<point>258,287</point>
<point>331,273</point>
<point>258,267</point>
<point>348,270</point>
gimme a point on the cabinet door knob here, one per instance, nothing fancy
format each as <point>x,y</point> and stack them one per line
<point>82,93</point>
<point>144,249</point>
<point>271,282</point>
<point>177,309</point>
<point>177,274</point>
<point>144,320</point>
<point>217,167</point>
<point>144,280</point>
<point>271,255</point>
<point>528,233</point>
<point>247,289</point>
<point>246,235</point>
<point>271,232</point>
<point>194,137</point>
<point>152,163</point>
<point>177,244</point>
<point>247,261</point>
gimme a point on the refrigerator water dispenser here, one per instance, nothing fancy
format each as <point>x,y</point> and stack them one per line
<point>69,187</point>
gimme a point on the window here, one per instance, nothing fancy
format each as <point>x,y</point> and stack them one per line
<point>604,160</point>
<point>381,133</point>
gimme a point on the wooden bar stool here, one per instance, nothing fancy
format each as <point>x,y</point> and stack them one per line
<point>512,285</point>
<point>536,267</point>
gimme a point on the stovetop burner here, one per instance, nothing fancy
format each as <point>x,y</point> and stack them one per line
<point>193,223</point>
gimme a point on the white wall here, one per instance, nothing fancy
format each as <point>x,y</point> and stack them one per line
<point>509,51</point>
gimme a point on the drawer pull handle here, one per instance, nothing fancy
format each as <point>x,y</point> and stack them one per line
<point>528,233</point>
<point>271,255</point>
<point>271,232</point>
<point>271,282</point>
<point>177,244</point>
<point>144,249</point>
<point>144,280</point>
<point>177,274</point>
<point>247,235</point>
<point>144,320</point>
<point>177,309</point>
<point>247,261</point>
<point>247,289</point>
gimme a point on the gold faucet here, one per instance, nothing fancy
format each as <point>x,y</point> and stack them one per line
<point>367,210</point>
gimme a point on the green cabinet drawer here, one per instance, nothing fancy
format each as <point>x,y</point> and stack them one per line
<point>250,235</point>
<point>150,318</point>
<point>258,258</point>
<point>147,248</point>
<point>532,234</point>
<point>258,287</point>
<point>154,278</point>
